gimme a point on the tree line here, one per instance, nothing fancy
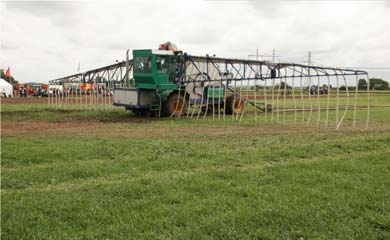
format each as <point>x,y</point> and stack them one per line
<point>375,84</point>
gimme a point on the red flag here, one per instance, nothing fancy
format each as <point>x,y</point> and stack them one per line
<point>8,73</point>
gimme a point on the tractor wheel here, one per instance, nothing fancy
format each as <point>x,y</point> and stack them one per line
<point>174,106</point>
<point>234,105</point>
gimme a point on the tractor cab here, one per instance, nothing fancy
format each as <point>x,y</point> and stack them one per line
<point>154,69</point>
<point>156,88</point>
<point>154,73</point>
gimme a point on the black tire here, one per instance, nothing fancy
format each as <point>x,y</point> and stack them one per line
<point>174,106</point>
<point>234,105</point>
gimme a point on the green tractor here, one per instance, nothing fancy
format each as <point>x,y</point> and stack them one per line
<point>158,89</point>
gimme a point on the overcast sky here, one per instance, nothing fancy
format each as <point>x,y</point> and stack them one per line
<point>41,41</point>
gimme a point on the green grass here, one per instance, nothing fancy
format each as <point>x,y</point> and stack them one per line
<point>188,179</point>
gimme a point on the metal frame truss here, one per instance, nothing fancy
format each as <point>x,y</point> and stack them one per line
<point>274,89</point>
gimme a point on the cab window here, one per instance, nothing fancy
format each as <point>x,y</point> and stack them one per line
<point>162,64</point>
<point>143,64</point>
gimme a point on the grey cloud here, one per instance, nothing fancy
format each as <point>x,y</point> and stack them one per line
<point>117,45</point>
<point>9,46</point>
<point>103,41</point>
<point>200,34</point>
<point>268,8</point>
<point>62,13</point>
<point>265,8</point>
<point>40,8</point>
<point>97,33</point>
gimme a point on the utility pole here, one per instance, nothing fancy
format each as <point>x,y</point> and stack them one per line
<point>273,55</point>
<point>258,55</point>
<point>309,61</point>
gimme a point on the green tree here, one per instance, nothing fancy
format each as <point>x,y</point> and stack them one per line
<point>378,84</point>
<point>362,84</point>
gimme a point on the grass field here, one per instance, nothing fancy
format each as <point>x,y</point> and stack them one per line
<point>73,174</point>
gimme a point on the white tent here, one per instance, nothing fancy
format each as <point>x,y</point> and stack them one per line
<point>5,88</point>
